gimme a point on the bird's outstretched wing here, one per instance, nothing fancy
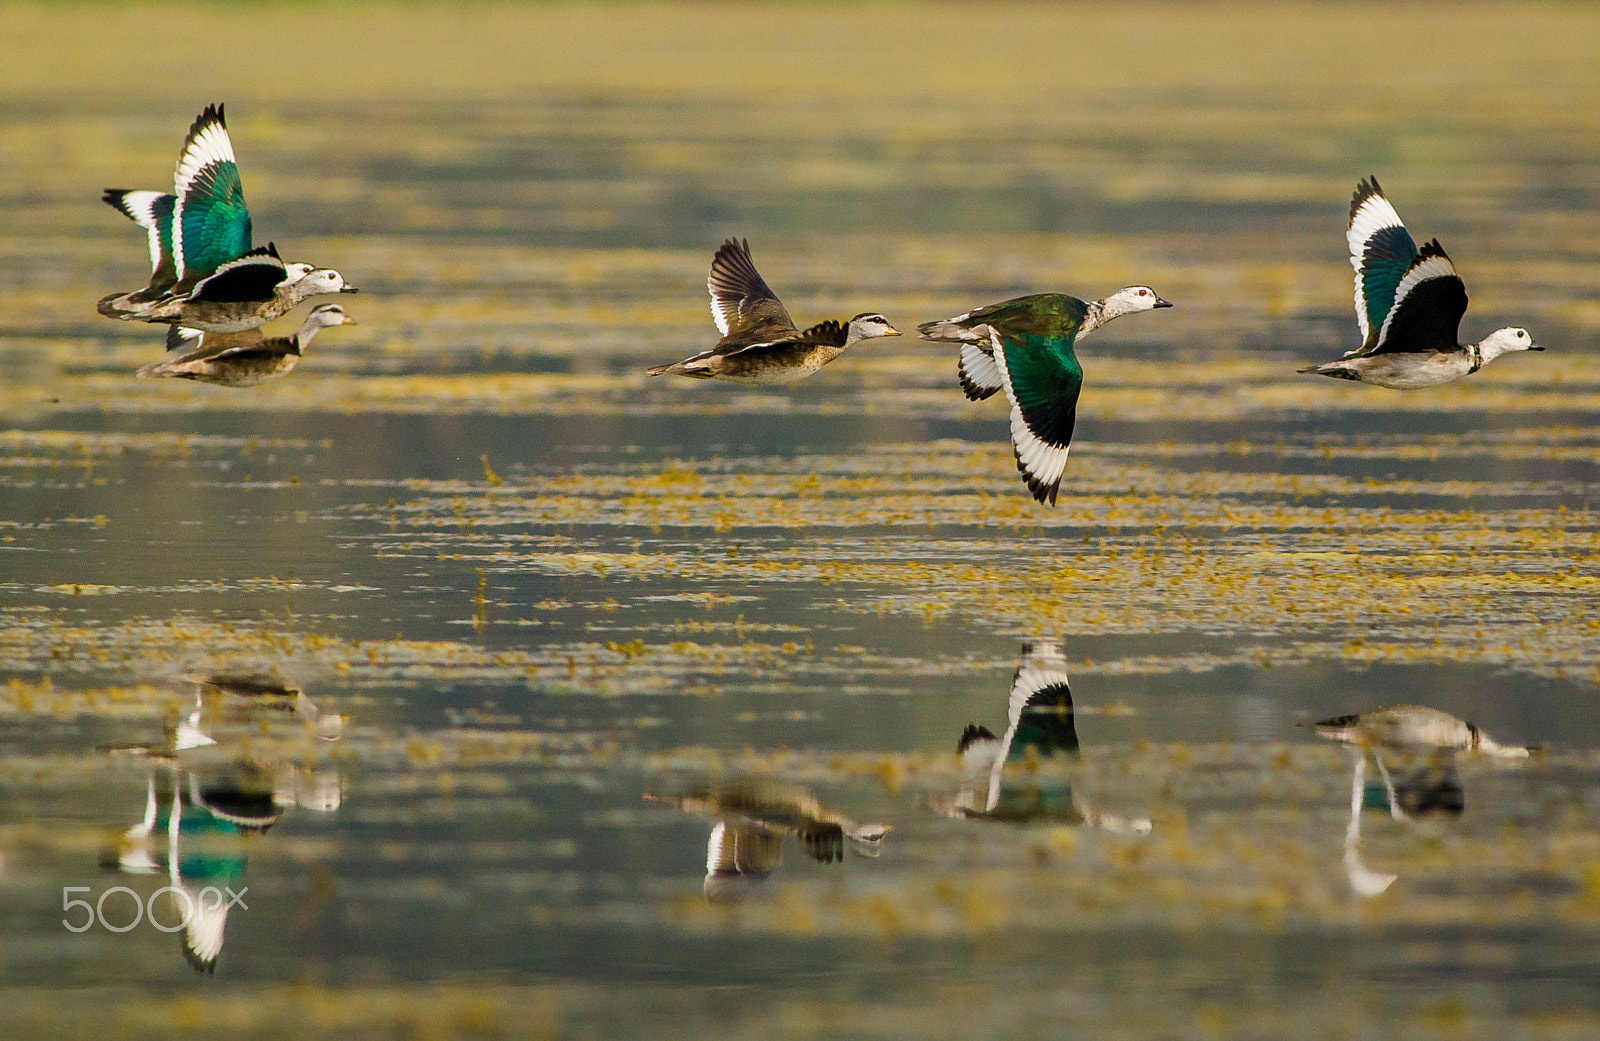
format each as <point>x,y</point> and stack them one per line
<point>1381,251</point>
<point>1042,388</point>
<point>211,224</point>
<point>246,279</point>
<point>740,298</point>
<point>152,211</point>
<point>1429,302</point>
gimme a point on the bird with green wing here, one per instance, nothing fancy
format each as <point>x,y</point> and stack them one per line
<point>204,272</point>
<point>1025,347</point>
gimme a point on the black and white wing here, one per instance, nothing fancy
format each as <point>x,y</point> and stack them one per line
<point>1381,251</point>
<point>740,298</point>
<point>1428,305</point>
<point>250,278</point>
<point>152,211</point>
<point>1040,708</point>
<point>1043,393</point>
<point>182,338</point>
<point>980,376</point>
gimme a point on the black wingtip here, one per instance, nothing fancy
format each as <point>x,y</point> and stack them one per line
<point>1044,494</point>
<point>974,733</point>
<point>969,388</point>
<point>212,114</point>
<point>1366,189</point>
<point>1431,248</point>
<point>733,247</point>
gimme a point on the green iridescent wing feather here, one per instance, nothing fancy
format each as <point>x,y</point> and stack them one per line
<point>1045,379</point>
<point>1382,251</point>
<point>1042,379</point>
<point>216,224</point>
<point>212,224</point>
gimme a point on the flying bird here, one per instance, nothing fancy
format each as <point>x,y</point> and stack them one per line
<point>1409,304</point>
<point>1024,346</point>
<point>760,343</point>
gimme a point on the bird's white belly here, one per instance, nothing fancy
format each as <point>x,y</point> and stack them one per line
<point>1412,371</point>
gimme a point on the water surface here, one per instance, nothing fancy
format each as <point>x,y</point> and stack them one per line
<point>466,647</point>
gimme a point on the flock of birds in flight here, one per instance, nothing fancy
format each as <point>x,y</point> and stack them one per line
<point>214,290</point>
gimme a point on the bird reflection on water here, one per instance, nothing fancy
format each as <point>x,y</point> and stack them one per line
<point>205,794</point>
<point>755,818</point>
<point>1432,786</point>
<point>999,779</point>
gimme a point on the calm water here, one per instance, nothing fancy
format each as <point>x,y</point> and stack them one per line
<point>520,695</point>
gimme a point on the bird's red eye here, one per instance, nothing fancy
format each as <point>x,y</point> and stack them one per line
<point>1144,292</point>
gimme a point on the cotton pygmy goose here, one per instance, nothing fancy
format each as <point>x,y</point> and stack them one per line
<point>760,343</point>
<point>246,293</point>
<point>1409,304</point>
<point>1024,346</point>
<point>204,273</point>
<point>241,359</point>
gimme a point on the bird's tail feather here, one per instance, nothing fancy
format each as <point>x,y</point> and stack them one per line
<point>948,331</point>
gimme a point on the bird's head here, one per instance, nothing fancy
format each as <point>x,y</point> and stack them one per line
<point>1134,299</point>
<point>322,280</point>
<point>1504,341</point>
<point>868,324</point>
<point>326,316</point>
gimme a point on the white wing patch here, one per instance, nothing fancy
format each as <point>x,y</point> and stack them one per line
<point>981,764</point>
<point>141,206</point>
<point>203,933</point>
<point>210,146</point>
<point>1437,266</point>
<point>720,309</point>
<point>719,851</point>
<point>1375,214</point>
<point>1043,463</point>
<point>182,338</point>
<point>978,367</point>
